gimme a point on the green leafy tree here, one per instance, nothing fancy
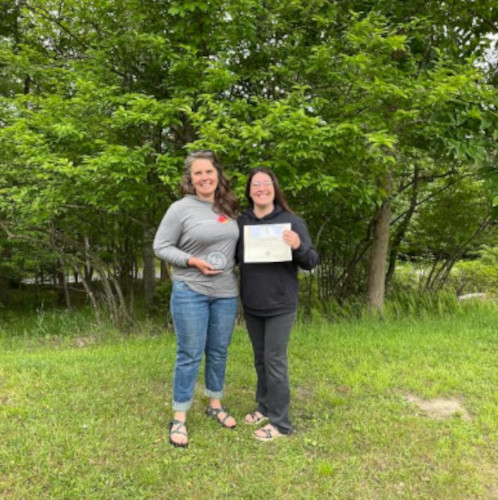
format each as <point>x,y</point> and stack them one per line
<point>358,106</point>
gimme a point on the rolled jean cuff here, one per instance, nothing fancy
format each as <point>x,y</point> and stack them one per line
<point>213,394</point>
<point>184,406</point>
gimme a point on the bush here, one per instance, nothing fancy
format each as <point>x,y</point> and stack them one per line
<point>161,305</point>
<point>402,303</point>
<point>479,275</point>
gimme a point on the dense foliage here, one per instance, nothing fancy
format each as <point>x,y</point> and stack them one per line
<point>379,118</point>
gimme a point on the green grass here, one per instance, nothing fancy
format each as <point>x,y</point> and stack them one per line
<point>84,412</point>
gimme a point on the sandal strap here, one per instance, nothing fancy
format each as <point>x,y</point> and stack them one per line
<point>216,411</point>
<point>270,432</point>
<point>180,429</point>
<point>254,417</point>
<point>176,422</point>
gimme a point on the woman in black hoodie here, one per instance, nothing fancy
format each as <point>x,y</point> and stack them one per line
<point>269,294</point>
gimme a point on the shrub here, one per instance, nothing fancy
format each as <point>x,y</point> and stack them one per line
<point>161,306</point>
<point>479,275</point>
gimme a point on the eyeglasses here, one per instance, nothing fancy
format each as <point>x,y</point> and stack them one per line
<point>259,184</point>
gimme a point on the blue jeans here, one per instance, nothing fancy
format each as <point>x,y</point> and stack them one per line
<point>202,324</point>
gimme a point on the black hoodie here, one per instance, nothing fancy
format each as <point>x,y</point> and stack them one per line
<point>270,289</point>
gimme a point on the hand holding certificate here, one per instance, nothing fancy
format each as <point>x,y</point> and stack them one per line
<point>264,243</point>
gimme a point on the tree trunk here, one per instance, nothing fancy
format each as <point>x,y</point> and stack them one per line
<point>62,288</point>
<point>379,252</point>
<point>403,227</point>
<point>90,294</point>
<point>149,274</point>
<point>5,254</point>
<point>88,269</point>
<point>4,290</point>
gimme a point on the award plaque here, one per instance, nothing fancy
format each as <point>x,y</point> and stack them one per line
<point>217,259</point>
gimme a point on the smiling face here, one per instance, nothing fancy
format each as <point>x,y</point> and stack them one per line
<point>204,179</point>
<point>262,192</point>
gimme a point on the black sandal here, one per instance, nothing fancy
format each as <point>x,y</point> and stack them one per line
<point>179,430</point>
<point>214,412</point>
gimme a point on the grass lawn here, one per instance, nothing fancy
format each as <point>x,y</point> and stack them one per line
<point>84,414</point>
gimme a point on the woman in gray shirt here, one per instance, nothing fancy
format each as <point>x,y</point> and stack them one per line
<point>198,236</point>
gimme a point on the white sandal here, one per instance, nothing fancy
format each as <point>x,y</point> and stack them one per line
<point>269,433</point>
<point>255,417</point>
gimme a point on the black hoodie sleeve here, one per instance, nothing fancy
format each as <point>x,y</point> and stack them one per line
<point>306,256</point>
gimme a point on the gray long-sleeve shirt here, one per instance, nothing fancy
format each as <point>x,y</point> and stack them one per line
<point>190,228</point>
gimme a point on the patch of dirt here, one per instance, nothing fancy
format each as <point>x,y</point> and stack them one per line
<point>84,341</point>
<point>493,491</point>
<point>439,408</point>
<point>303,393</point>
<point>492,472</point>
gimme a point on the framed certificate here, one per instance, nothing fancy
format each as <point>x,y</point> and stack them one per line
<point>264,243</point>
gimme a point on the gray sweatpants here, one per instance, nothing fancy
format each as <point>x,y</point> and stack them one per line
<point>270,338</point>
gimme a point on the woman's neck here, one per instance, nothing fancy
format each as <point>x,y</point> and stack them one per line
<point>209,199</point>
<point>260,212</point>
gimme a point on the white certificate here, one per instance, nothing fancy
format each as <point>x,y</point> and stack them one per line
<point>264,243</point>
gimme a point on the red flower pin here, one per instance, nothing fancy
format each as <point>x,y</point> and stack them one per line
<point>222,218</point>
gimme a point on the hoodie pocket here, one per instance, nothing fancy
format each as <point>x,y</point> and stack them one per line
<point>263,290</point>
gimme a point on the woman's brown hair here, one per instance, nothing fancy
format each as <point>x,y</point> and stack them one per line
<point>280,199</point>
<point>224,200</point>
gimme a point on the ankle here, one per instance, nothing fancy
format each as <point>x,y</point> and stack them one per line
<point>180,416</point>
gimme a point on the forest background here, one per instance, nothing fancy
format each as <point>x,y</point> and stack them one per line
<point>379,117</point>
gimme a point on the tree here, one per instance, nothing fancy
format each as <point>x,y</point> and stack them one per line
<point>358,107</point>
